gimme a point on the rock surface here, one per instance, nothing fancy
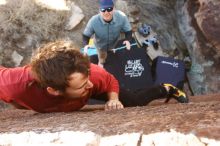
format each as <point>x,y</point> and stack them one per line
<point>188,26</point>
<point>204,45</point>
<point>179,123</point>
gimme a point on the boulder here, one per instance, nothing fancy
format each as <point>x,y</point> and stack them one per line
<point>196,123</point>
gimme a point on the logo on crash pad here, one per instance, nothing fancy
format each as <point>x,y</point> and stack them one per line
<point>134,68</point>
<point>173,64</point>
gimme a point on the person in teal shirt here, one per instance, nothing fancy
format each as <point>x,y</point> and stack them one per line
<point>106,28</point>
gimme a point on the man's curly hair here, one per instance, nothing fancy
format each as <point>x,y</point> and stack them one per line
<point>55,62</point>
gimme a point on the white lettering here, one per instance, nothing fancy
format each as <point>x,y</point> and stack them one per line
<point>134,68</point>
<point>174,64</point>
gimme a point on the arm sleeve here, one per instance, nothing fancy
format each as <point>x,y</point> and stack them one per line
<point>112,83</point>
<point>103,81</point>
<point>11,83</point>
<point>89,31</point>
<point>127,25</point>
<point>128,35</point>
<point>85,40</point>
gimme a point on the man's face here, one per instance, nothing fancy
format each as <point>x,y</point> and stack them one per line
<point>79,85</point>
<point>107,13</point>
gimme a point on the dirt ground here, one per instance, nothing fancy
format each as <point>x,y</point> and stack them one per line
<point>200,117</point>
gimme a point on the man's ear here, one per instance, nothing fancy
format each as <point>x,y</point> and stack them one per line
<point>53,91</point>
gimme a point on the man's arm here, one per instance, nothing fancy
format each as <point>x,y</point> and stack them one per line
<point>87,33</point>
<point>112,93</point>
<point>85,40</point>
<point>126,24</point>
<point>86,44</point>
<point>113,101</point>
<point>128,35</point>
<point>12,82</point>
<point>105,82</point>
<point>89,30</point>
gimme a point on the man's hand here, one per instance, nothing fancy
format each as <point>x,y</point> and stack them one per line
<point>113,104</point>
<point>85,51</point>
<point>127,44</point>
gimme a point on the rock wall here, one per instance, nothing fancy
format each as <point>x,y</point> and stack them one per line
<point>198,24</point>
<point>27,24</point>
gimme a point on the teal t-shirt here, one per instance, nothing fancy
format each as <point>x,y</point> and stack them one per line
<point>107,34</point>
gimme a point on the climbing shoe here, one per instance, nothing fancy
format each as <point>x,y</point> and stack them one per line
<point>176,93</point>
<point>144,30</point>
<point>146,43</point>
<point>151,42</point>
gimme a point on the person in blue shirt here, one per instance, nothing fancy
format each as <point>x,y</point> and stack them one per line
<point>106,28</point>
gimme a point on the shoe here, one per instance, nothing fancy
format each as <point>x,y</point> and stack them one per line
<point>146,43</point>
<point>154,42</point>
<point>146,27</point>
<point>176,93</point>
<point>144,30</point>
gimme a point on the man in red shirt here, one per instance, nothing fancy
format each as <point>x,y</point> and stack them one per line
<point>61,79</point>
<point>58,79</point>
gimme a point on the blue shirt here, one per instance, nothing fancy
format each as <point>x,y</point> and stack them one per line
<point>107,34</point>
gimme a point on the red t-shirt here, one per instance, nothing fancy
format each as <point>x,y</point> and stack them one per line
<point>17,85</point>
